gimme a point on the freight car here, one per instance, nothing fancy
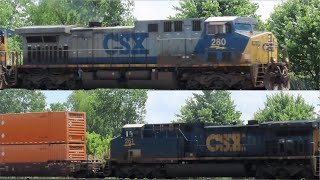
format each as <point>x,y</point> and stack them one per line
<point>44,144</point>
<point>213,53</point>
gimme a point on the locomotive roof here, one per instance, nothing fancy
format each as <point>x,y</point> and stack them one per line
<point>101,28</point>
<point>236,19</point>
<point>45,29</point>
<point>299,123</point>
<point>133,125</point>
<point>68,28</point>
<point>221,18</point>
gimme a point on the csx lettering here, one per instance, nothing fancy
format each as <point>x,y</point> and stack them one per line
<point>125,46</point>
<point>224,143</point>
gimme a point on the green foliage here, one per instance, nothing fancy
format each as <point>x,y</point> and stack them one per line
<point>54,107</point>
<point>285,107</point>
<point>296,25</point>
<point>21,101</point>
<point>14,43</point>
<point>211,106</point>
<point>13,13</point>
<point>81,12</point>
<point>108,110</point>
<point>207,8</point>
<point>97,146</point>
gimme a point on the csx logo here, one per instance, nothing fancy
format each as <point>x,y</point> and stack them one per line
<point>121,43</point>
<point>224,143</point>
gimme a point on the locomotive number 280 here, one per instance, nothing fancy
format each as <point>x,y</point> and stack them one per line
<point>219,42</point>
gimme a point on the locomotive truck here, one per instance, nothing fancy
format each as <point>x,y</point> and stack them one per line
<point>212,53</point>
<point>283,150</point>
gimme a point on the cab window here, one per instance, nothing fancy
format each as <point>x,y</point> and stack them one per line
<point>219,28</point>
<point>243,27</point>
<point>132,133</point>
<point>215,29</point>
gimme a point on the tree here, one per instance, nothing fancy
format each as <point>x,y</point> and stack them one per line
<point>13,13</point>
<point>285,107</point>
<point>296,25</point>
<point>81,12</point>
<point>211,106</point>
<point>97,146</point>
<point>108,110</point>
<point>54,107</point>
<point>207,8</point>
<point>21,101</point>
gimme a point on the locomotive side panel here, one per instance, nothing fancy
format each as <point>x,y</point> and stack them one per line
<point>234,141</point>
<point>137,144</point>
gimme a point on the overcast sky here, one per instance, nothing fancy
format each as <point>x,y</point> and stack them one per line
<point>163,105</point>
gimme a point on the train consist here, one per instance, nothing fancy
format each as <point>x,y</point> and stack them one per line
<point>285,150</point>
<point>213,53</point>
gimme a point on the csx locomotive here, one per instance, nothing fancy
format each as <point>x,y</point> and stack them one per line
<point>268,150</point>
<point>282,150</point>
<point>213,53</point>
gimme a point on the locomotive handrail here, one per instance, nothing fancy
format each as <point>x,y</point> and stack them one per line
<point>183,135</point>
<point>186,137</point>
<point>11,58</point>
<point>161,39</point>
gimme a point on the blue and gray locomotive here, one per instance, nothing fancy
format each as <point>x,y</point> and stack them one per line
<point>213,53</point>
<point>268,150</point>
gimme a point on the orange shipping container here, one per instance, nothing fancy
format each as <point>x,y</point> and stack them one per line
<point>38,153</point>
<point>41,128</point>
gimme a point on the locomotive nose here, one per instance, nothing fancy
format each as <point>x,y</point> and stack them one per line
<point>276,74</point>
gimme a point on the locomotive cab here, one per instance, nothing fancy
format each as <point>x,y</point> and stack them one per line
<point>231,41</point>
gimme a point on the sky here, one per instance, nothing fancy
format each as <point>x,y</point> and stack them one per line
<point>162,106</point>
<point>156,9</point>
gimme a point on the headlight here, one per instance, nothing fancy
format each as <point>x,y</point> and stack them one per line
<point>269,38</point>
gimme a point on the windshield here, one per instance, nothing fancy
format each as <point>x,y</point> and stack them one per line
<point>244,27</point>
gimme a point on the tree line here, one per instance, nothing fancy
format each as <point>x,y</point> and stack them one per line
<point>108,110</point>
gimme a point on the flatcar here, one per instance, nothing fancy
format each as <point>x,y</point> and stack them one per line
<point>213,53</point>
<point>285,150</point>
